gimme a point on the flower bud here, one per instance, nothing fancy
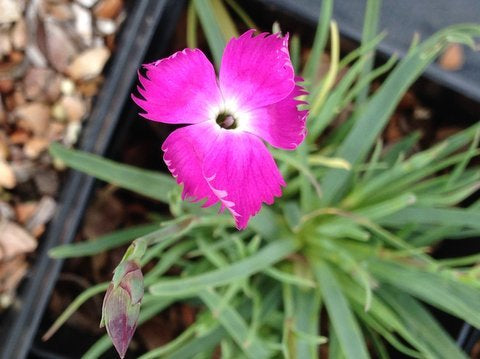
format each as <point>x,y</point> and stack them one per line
<point>121,305</point>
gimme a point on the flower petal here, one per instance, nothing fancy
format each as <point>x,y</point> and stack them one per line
<point>184,153</point>
<point>281,124</point>
<point>242,174</point>
<point>179,89</point>
<point>256,71</point>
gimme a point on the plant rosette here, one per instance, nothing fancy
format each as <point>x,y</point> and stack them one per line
<point>351,231</point>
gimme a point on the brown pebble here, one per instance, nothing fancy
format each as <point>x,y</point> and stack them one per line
<point>14,240</point>
<point>61,11</point>
<point>89,63</point>
<point>10,11</point>
<point>34,147</point>
<point>47,182</point>
<point>108,9</point>
<point>74,108</point>
<point>33,117</point>
<point>24,211</point>
<point>59,47</point>
<point>55,131</point>
<point>90,88</point>
<point>6,85</point>
<point>19,35</point>
<point>7,176</point>
<point>36,82</point>
<point>3,147</point>
<point>19,137</point>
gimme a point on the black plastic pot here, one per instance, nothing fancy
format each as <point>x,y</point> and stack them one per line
<point>145,19</point>
<point>401,20</point>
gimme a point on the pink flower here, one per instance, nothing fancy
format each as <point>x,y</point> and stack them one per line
<point>220,156</point>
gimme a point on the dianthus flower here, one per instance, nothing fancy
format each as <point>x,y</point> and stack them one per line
<point>220,155</point>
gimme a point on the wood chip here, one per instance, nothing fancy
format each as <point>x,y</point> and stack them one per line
<point>89,63</point>
<point>14,240</point>
<point>7,176</point>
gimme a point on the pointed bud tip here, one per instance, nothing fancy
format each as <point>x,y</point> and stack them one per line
<point>121,306</point>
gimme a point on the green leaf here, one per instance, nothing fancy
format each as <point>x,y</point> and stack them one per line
<point>434,217</point>
<point>438,289</point>
<point>375,114</point>
<point>225,22</point>
<point>244,268</point>
<point>212,29</point>
<point>305,321</point>
<point>346,328</point>
<point>151,184</point>
<point>192,24</point>
<point>201,344</point>
<point>103,243</point>
<point>321,35</point>
<point>234,324</point>
<point>420,323</point>
<point>370,25</point>
<point>242,14</point>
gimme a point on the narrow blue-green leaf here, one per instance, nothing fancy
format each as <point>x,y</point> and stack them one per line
<point>370,25</point>
<point>211,28</point>
<point>192,24</point>
<point>234,324</point>
<point>202,344</point>
<point>225,22</point>
<point>344,323</point>
<point>103,243</point>
<point>377,111</point>
<point>421,324</point>
<point>435,217</point>
<point>270,254</point>
<point>403,146</point>
<point>151,184</point>
<point>320,40</point>
<point>306,316</point>
<point>242,14</point>
<point>439,289</point>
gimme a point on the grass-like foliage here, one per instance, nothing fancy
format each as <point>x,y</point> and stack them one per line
<point>352,233</point>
